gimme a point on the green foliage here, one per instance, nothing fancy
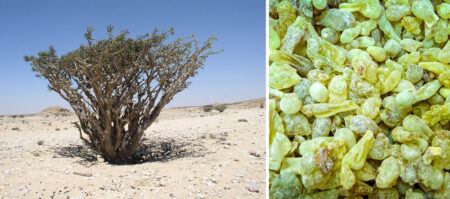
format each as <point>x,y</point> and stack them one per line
<point>220,108</point>
<point>207,108</point>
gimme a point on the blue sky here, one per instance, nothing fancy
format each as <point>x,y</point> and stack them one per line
<point>27,27</point>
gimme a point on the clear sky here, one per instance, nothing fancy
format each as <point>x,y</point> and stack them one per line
<point>28,26</point>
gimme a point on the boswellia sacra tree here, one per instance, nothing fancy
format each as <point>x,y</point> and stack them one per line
<point>119,85</point>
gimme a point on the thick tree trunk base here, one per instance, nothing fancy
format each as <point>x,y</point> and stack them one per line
<point>120,157</point>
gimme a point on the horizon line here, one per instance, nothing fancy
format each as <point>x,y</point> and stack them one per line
<point>233,102</point>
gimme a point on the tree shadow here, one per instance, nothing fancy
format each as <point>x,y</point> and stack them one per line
<point>87,155</point>
<point>158,149</point>
<point>166,149</point>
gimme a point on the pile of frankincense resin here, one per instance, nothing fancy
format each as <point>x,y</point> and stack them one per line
<point>359,99</point>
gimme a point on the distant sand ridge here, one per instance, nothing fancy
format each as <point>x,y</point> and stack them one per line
<point>55,110</point>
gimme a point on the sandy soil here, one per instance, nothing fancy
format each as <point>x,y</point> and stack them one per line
<point>194,154</point>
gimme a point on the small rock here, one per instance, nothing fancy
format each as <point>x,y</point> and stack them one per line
<point>83,174</point>
<point>255,154</point>
<point>253,187</point>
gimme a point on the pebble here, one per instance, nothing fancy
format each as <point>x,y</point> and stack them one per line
<point>83,174</point>
<point>253,187</point>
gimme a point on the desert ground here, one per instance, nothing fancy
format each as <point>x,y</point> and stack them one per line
<point>192,154</point>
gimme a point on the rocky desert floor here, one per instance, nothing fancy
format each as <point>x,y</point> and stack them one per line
<point>193,154</point>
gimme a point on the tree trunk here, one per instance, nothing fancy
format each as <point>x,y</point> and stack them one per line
<point>124,150</point>
<point>116,146</point>
<point>107,134</point>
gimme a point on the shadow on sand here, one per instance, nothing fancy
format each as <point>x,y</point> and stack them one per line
<point>158,149</point>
